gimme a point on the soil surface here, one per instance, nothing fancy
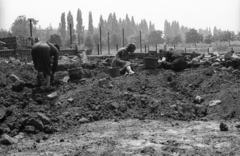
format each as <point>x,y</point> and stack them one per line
<point>153,112</point>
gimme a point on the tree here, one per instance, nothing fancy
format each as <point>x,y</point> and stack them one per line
<point>74,38</point>
<point>103,26</point>
<point>227,36</point>
<point>155,37</point>
<point>89,41</point>
<point>133,25</point>
<point>115,39</point>
<point>192,36</point>
<point>48,32</point>
<point>167,30</point>
<point>79,25</point>
<point>56,38</point>
<point>238,36</point>
<point>175,28</point>
<point>4,33</point>
<point>90,24</point>
<point>208,39</point>
<point>21,27</point>
<point>96,39</point>
<point>136,39</point>
<point>176,39</point>
<point>70,21</point>
<point>63,27</point>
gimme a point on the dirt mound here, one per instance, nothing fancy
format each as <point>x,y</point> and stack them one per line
<point>149,94</point>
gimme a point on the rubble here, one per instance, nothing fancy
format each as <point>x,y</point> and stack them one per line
<point>186,95</point>
<point>7,140</point>
<point>214,102</point>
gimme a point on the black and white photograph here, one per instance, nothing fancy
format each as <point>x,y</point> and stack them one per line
<point>119,78</point>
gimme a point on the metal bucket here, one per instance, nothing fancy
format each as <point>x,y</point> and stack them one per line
<point>114,72</point>
<point>75,73</point>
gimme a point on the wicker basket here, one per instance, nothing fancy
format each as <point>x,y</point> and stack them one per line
<point>150,63</point>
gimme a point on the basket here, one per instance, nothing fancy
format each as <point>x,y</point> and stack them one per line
<point>114,72</point>
<point>75,73</point>
<point>150,63</point>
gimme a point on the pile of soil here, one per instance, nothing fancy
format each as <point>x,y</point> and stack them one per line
<point>149,94</point>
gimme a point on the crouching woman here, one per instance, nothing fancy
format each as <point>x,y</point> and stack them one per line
<point>121,59</point>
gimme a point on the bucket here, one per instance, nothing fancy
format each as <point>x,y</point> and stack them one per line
<point>75,73</point>
<point>114,72</point>
<point>150,63</point>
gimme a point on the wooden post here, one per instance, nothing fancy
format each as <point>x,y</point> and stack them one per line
<point>98,49</point>
<point>31,30</point>
<point>108,45</point>
<point>156,47</point>
<point>140,41</point>
<point>117,47</point>
<point>70,35</point>
<point>100,29</point>
<point>123,36</point>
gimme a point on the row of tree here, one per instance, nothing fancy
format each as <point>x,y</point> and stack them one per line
<point>111,25</point>
<point>174,34</point>
<point>113,28</point>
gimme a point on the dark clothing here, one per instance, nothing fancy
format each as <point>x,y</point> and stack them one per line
<point>122,54</point>
<point>175,61</point>
<point>41,55</point>
<point>121,60</point>
<point>171,56</point>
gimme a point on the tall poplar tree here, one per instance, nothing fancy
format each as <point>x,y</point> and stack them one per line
<point>90,23</point>
<point>63,27</point>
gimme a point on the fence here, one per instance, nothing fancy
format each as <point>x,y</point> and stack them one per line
<point>26,53</point>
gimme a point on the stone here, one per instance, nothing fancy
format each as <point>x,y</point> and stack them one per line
<point>83,120</point>
<point>198,99</point>
<point>49,129</point>
<point>45,120</point>
<point>36,123</point>
<point>216,64</point>
<point>52,95</point>
<point>29,129</point>
<point>45,137</point>
<point>19,136</point>
<point>223,127</point>
<point>70,100</point>
<point>130,89</point>
<point>214,102</point>
<point>115,105</point>
<point>224,69</point>
<point>66,79</point>
<point>7,140</point>
<point>105,83</point>
<point>18,86</point>
<point>236,71</point>
<point>2,112</point>
<point>66,114</point>
<point>14,77</point>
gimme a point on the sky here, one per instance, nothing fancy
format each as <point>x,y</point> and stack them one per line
<point>224,14</point>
